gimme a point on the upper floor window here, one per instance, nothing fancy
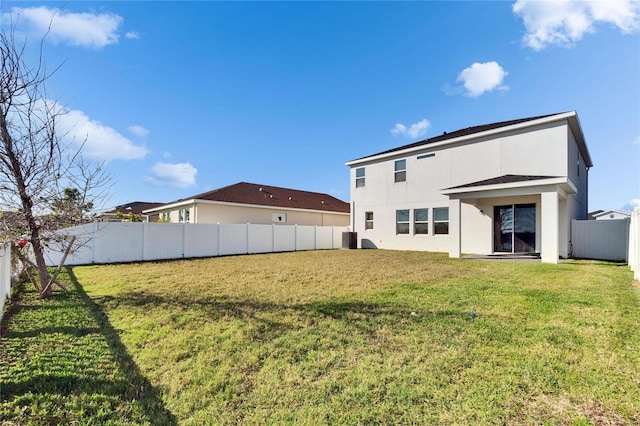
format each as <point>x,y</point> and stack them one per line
<point>420,221</point>
<point>441,220</point>
<point>368,220</point>
<point>402,221</point>
<point>400,171</point>
<point>360,177</point>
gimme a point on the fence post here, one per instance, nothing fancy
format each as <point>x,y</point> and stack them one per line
<point>295,238</point>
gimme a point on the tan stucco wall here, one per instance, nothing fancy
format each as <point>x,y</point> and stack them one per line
<point>219,213</point>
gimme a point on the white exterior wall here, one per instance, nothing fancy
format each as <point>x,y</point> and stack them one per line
<point>541,151</point>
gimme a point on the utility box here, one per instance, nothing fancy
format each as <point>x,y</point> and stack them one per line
<point>349,240</point>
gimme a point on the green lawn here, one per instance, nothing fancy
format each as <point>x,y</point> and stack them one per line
<point>329,337</point>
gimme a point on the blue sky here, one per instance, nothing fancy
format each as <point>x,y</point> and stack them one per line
<point>184,97</point>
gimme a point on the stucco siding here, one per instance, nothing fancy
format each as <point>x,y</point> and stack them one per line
<point>216,213</point>
<point>540,151</point>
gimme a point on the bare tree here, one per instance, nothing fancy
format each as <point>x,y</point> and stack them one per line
<point>44,181</point>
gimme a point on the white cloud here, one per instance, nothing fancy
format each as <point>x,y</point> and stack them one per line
<point>413,131</point>
<point>77,29</point>
<point>177,175</point>
<point>633,204</point>
<point>566,22</point>
<point>483,77</point>
<point>637,141</point>
<point>100,142</point>
<point>132,35</point>
<point>139,131</point>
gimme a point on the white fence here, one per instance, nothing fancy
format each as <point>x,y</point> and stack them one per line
<point>114,242</point>
<point>600,239</point>
<point>634,243</point>
<point>5,275</point>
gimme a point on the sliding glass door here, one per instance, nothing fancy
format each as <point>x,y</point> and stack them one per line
<point>514,228</point>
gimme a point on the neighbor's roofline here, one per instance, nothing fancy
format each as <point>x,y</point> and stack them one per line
<point>570,116</point>
<point>194,201</point>
<point>606,212</point>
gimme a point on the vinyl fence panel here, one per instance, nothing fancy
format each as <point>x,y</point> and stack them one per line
<point>201,240</point>
<point>260,238</point>
<point>600,239</point>
<point>163,241</point>
<point>634,243</point>
<point>324,237</point>
<point>5,275</point>
<point>305,238</point>
<point>117,242</point>
<point>284,238</point>
<point>233,239</point>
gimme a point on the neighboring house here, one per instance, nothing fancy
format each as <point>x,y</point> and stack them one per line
<point>507,187</point>
<point>609,215</point>
<point>123,213</point>
<point>258,204</point>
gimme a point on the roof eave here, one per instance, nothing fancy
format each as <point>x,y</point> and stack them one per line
<point>564,182</point>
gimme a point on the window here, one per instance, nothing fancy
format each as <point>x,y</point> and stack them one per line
<point>400,171</point>
<point>402,221</point>
<point>420,221</point>
<point>368,220</point>
<point>441,220</point>
<point>279,217</point>
<point>165,217</point>
<point>184,215</point>
<point>360,177</point>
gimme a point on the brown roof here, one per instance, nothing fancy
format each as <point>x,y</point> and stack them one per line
<point>265,195</point>
<point>501,180</point>
<point>135,207</point>
<point>458,133</point>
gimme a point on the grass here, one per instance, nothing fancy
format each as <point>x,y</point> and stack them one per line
<point>329,337</point>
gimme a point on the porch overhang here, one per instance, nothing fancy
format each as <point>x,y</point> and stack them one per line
<point>550,189</point>
<point>511,185</point>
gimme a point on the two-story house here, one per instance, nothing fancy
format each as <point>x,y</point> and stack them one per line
<point>506,187</point>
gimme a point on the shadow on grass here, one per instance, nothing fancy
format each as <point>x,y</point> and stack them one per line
<point>70,370</point>
<point>140,388</point>
<point>355,315</point>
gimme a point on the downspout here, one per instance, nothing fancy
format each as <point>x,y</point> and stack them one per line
<point>353,216</point>
<point>587,194</point>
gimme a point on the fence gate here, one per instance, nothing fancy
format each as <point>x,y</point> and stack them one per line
<point>600,239</point>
